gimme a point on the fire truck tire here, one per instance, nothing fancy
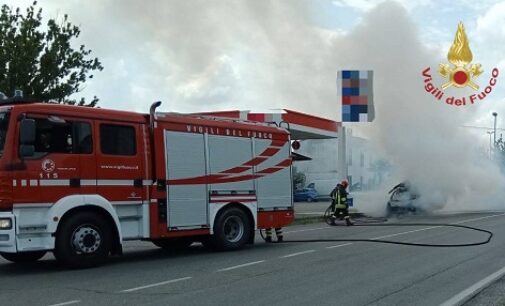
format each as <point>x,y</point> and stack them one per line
<point>83,240</point>
<point>175,244</point>
<point>232,230</point>
<point>23,257</point>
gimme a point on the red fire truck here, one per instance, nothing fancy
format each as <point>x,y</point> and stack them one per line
<point>80,181</point>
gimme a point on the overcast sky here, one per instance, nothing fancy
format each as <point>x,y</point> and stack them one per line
<point>214,55</point>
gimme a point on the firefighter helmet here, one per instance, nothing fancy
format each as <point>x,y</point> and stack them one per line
<point>344,184</point>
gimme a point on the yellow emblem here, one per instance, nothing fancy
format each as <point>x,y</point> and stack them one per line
<point>460,55</point>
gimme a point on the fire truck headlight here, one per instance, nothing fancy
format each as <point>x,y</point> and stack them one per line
<point>5,223</point>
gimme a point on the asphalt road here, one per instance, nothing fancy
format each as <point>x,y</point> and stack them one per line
<point>327,273</point>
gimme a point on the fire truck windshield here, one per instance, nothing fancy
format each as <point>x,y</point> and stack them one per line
<point>4,124</point>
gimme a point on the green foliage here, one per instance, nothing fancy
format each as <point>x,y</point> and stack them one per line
<point>380,168</point>
<point>42,63</point>
<point>298,179</point>
<point>499,153</point>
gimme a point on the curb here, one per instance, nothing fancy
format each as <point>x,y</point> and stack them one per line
<point>306,219</point>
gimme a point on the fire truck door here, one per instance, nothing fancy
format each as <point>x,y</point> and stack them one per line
<point>85,146</point>
<point>119,162</point>
<point>188,194</point>
<point>53,172</point>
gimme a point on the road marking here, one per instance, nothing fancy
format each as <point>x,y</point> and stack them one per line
<point>432,227</point>
<point>337,246</point>
<point>299,253</point>
<point>67,303</point>
<point>480,218</point>
<point>471,291</point>
<point>407,232</point>
<point>423,229</point>
<point>468,212</point>
<point>240,266</point>
<point>308,230</point>
<point>157,284</point>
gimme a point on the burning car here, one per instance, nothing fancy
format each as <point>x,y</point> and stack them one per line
<point>402,199</point>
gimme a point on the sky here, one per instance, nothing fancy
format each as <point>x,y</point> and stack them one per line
<point>209,55</point>
<point>258,55</point>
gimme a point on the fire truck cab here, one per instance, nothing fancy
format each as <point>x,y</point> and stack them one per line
<point>80,181</point>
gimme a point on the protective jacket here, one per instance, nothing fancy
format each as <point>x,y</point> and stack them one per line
<point>339,197</point>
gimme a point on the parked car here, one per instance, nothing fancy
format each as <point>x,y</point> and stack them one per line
<point>323,187</point>
<point>306,194</point>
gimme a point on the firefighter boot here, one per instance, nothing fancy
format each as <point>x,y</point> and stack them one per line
<point>333,218</point>
<point>278,234</point>
<point>268,234</point>
<point>348,222</point>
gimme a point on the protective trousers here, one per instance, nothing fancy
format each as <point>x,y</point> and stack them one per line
<point>278,233</point>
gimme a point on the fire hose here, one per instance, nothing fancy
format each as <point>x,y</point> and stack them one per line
<point>379,222</point>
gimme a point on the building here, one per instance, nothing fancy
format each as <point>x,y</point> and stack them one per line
<point>324,169</point>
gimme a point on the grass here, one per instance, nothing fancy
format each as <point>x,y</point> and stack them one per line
<point>308,220</point>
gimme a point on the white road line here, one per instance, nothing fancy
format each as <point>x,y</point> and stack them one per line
<point>423,229</point>
<point>469,292</point>
<point>408,232</point>
<point>337,246</point>
<point>308,230</point>
<point>67,303</point>
<point>480,218</point>
<point>240,266</point>
<point>157,284</point>
<point>432,227</point>
<point>296,254</point>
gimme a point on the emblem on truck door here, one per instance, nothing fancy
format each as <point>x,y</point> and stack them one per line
<point>48,165</point>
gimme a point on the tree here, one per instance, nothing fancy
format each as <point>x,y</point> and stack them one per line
<point>499,153</point>
<point>43,64</point>
<point>380,167</point>
<point>298,179</point>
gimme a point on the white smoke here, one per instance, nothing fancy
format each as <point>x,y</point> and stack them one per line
<point>269,54</point>
<point>423,137</point>
<point>200,56</point>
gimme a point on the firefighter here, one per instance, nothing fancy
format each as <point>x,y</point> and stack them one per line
<point>339,204</point>
<point>45,141</point>
<point>278,233</point>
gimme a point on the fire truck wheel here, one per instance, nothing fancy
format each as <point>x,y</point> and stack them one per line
<point>175,244</point>
<point>23,257</point>
<point>83,240</point>
<point>232,230</point>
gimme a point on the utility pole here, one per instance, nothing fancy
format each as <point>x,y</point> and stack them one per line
<point>342,170</point>
<point>495,115</point>
<point>490,146</point>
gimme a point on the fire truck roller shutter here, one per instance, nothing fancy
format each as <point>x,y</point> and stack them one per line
<point>273,190</point>
<point>186,158</point>
<point>228,155</point>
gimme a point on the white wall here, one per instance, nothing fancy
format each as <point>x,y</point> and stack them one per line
<point>324,154</point>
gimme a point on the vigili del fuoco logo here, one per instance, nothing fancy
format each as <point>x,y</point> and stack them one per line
<point>460,73</point>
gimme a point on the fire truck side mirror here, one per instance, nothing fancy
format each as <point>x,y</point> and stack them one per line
<point>27,138</point>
